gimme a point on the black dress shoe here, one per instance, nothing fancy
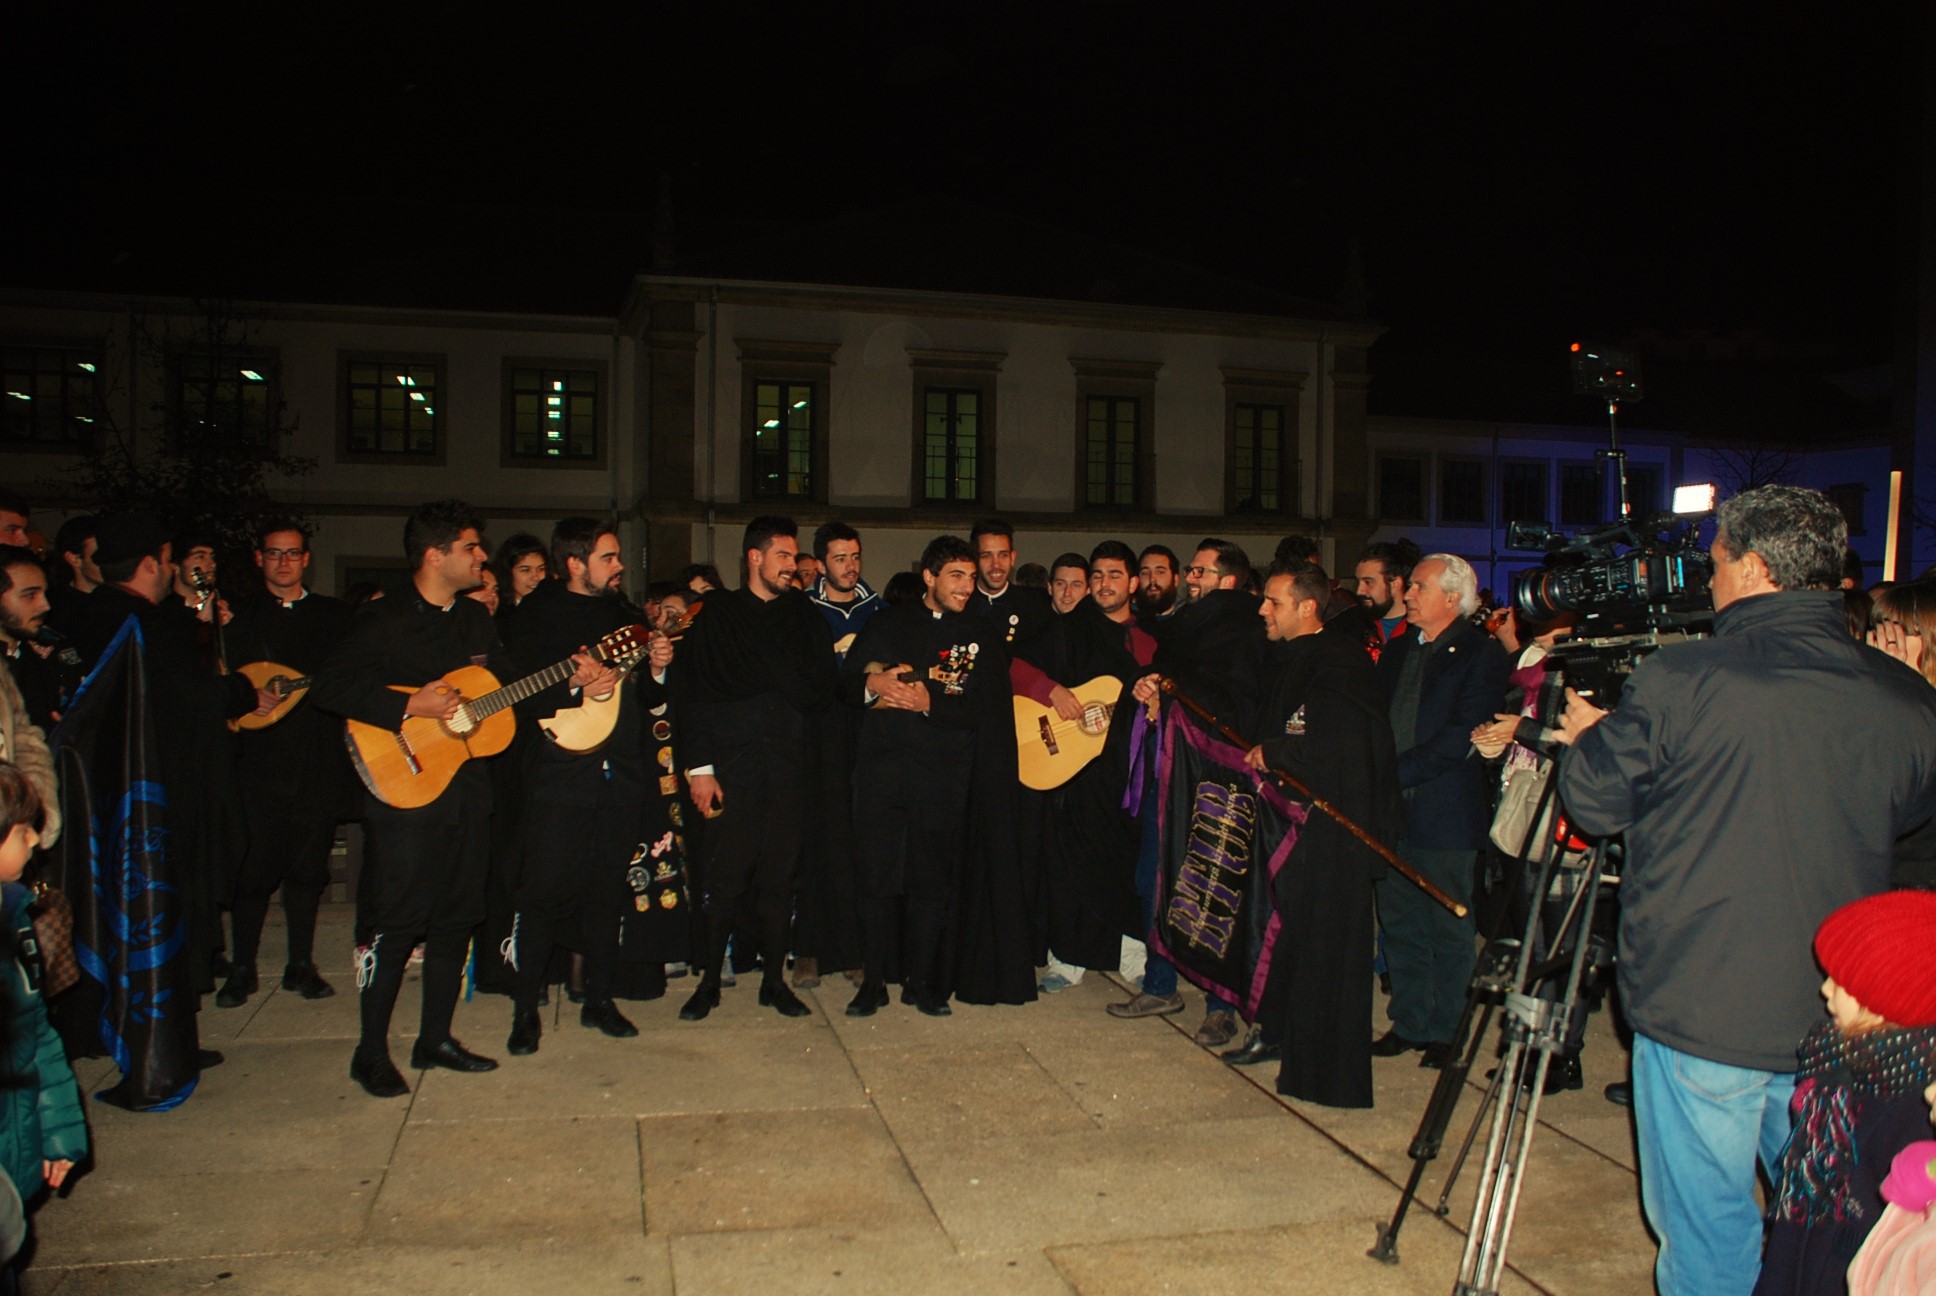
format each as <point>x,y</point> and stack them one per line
<point>603,1015</point>
<point>1433,1057</point>
<point>236,990</point>
<point>206,1058</point>
<point>1391,1044</point>
<point>777,996</point>
<point>526,1030</point>
<point>452,1055</point>
<point>1620,1093</point>
<point>1252,1051</point>
<point>1563,1073</point>
<point>703,1001</point>
<point>378,1076</point>
<point>868,1000</point>
<point>932,1003</point>
<point>306,981</point>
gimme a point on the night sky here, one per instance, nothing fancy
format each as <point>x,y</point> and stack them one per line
<point>1515,175</point>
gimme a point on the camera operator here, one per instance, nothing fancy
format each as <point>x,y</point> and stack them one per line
<point>1761,777</point>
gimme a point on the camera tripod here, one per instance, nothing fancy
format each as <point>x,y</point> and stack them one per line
<point>1511,973</point>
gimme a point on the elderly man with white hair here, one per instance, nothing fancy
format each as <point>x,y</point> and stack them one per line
<point>1443,676</point>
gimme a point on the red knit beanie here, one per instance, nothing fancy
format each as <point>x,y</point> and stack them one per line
<point>1882,950</point>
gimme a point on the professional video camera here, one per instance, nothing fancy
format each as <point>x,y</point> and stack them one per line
<point>1633,586</point>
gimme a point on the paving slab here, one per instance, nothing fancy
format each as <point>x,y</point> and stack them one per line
<point>1124,1181</point>
<point>1321,1256</point>
<point>482,1183</point>
<point>634,1266</point>
<point>777,1170</point>
<point>939,1094</point>
<point>810,1262</point>
<point>706,1067</point>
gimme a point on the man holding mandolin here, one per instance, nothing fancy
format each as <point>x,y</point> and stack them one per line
<point>424,872</point>
<point>292,774</point>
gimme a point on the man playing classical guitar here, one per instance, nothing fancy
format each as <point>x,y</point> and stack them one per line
<point>294,777</point>
<point>424,867</point>
<point>581,820</point>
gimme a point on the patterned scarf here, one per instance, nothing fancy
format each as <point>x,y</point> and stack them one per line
<point>1840,1076</point>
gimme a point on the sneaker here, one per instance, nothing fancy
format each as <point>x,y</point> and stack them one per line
<point>1218,1029</point>
<point>1148,1005</point>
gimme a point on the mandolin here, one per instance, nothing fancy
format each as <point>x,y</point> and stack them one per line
<point>279,680</point>
<point>411,766</point>
<point>588,726</point>
<point>1050,750</point>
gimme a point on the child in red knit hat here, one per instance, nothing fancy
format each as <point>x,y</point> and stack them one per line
<point>1859,1094</point>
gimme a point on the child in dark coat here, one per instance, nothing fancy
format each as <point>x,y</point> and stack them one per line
<point>1859,1097</point>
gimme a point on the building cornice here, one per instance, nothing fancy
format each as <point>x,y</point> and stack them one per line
<point>310,312</point>
<point>956,305</point>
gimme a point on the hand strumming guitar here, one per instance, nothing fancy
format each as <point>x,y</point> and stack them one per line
<point>434,701</point>
<point>1066,704</point>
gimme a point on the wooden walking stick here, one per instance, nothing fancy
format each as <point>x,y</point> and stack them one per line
<point>1386,853</point>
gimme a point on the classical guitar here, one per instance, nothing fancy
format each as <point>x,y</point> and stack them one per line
<point>1049,749</point>
<point>588,726</point>
<point>411,766</point>
<point>279,680</point>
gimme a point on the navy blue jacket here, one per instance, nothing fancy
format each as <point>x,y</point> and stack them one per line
<point>1447,806</point>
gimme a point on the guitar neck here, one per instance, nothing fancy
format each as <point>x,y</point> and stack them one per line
<point>518,690</point>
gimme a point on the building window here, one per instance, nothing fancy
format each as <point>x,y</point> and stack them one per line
<point>554,413</point>
<point>1582,501</point>
<point>954,425</point>
<point>951,445</point>
<point>228,397</point>
<point>1852,498</point>
<point>1643,488</point>
<point>1110,451</point>
<point>1522,492</point>
<point>783,416</point>
<point>1462,492</point>
<point>1401,488</point>
<point>390,407</point>
<point>52,395</point>
<point>1115,421</point>
<point>1257,454</point>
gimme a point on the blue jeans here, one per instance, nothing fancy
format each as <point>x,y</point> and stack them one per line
<point>1701,1125</point>
<point>1159,974</point>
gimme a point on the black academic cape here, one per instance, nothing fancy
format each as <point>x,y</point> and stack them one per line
<point>964,767</point>
<point>1078,844</point>
<point>1213,648</point>
<point>1322,720</point>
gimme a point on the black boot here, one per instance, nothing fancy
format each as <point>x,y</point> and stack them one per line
<point>236,990</point>
<point>526,1030</point>
<point>703,1001</point>
<point>603,1015</point>
<point>775,994</point>
<point>868,1000</point>
<point>1563,1073</point>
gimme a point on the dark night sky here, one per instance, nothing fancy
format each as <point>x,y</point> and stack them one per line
<point>1516,175</point>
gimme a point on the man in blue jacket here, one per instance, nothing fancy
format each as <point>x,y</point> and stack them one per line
<point>1444,676</point>
<point>1762,777</point>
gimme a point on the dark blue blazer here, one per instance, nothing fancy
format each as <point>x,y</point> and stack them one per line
<point>1447,805</point>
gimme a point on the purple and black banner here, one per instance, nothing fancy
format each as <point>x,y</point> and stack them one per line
<point>1226,831</point>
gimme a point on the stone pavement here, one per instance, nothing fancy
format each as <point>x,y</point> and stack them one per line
<point>1047,1148</point>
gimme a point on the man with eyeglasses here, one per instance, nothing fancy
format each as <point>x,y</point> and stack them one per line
<point>1211,648</point>
<point>294,775</point>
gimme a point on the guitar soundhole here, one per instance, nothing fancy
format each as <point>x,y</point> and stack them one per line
<point>1095,718</point>
<point>461,723</point>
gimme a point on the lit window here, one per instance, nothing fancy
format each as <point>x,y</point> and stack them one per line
<point>392,407</point>
<point>52,396</point>
<point>783,440</point>
<point>554,413</point>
